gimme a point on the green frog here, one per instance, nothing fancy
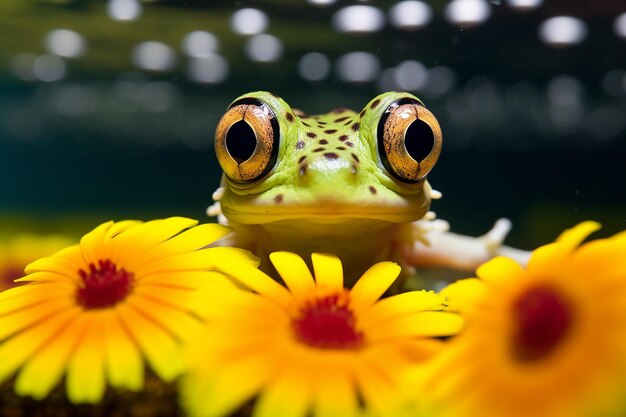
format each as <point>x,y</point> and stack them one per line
<point>352,184</point>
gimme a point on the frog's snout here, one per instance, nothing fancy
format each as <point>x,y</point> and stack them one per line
<point>326,169</point>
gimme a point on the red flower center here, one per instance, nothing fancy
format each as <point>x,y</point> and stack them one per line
<point>328,323</point>
<point>104,285</point>
<point>543,318</point>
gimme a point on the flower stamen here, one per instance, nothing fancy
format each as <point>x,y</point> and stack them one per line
<point>328,323</point>
<point>542,318</point>
<point>104,285</point>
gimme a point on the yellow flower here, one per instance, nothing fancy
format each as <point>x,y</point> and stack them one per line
<point>96,310</point>
<point>18,251</point>
<point>545,341</point>
<point>311,346</point>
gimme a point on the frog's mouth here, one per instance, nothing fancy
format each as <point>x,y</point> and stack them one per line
<point>325,212</point>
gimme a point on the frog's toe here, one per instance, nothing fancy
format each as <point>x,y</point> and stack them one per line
<point>494,238</point>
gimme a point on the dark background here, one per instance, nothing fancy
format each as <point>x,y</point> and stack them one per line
<point>509,149</point>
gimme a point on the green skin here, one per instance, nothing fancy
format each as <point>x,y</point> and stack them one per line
<point>329,192</point>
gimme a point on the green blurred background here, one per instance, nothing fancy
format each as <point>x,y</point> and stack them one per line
<point>97,124</point>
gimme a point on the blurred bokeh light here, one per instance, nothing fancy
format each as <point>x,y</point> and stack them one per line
<point>562,31</point>
<point>468,13</point>
<point>410,14</point>
<point>359,19</point>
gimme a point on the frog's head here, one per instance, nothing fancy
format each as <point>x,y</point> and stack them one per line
<point>281,164</point>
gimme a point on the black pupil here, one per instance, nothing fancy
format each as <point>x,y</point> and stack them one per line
<point>419,140</point>
<point>240,141</point>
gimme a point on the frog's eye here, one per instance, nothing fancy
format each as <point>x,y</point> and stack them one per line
<point>409,140</point>
<point>246,140</point>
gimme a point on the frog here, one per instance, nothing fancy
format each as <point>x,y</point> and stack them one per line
<point>346,183</point>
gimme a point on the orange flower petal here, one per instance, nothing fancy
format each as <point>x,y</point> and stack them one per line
<point>546,256</point>
<point>251,277</point>
<point>32,315</point>
<point>210,258</point>
<point>294,271</point>
<point>377,388</point>
<point>159,346</point>
<point>27,296</point>
<point>114,246</point>
<point>189,240</point>
<point>421,324</point>
<point>335,395</point>
<point>92,244</point>
<point>227,387</point>
<point>124,364</point>
<point>463,294</point>
<point>61,265</point>
<point>45,369</point>
<point>189,280</point>
<point>118,227</point>
<point>143,237</point>
<point>572,238</point>
<point>402,304</point>
<point>288,395</point>
<point>16,350</point>
<point>373,284</point>
<point>85,371</point>
<point>172,318</point>
<point>45,276</point>
<point>328,271</point>
<point>500,270</point>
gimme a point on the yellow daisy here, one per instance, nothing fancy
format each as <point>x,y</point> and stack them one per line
<point>545,341</point>
<point>312,345</point>
<point>96,310</point>
<point>18,251</point>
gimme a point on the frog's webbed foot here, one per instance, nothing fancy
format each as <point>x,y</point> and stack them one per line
<point>435,246</point>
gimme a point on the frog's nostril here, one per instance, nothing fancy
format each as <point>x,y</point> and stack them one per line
<point>327,167</point>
